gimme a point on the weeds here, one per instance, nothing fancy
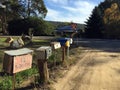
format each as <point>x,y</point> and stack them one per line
<point>6,83</point>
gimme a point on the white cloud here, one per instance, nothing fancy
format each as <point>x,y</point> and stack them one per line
<point>52,14</point>
<point>63,2</point>
<point>76,11</point>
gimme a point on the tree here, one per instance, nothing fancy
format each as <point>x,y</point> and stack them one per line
<point>94,25</point>
<point>112,21</point>
<point>38,26</point>
<point>112,14</point>
<point>21,9</point>
<point>33,8</point>
<point>104,20</point>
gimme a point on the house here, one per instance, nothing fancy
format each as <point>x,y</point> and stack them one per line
<point>67,30</point>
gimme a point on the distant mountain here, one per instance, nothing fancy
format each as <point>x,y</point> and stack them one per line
<point>56,23</point>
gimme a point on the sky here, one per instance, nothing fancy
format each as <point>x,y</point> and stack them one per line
<point>76,11</point>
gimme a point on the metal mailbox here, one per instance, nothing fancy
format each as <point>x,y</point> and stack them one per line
<point>62,41</point>
<point>44,52</point>
<point>17,60</point>
<point>55,45</point>
<point>70,40</point>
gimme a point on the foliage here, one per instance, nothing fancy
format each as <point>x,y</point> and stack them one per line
<point>63,24</point>
<point>20,9</point>
<point>6,83</point>
<point>21,76</point>
<point>49,29</point>
<point>24,8</point>
<point>112,30</point>
<point>33,8</point>
<point>39,26</point>
<point>104,20</point>
<point>94,25</point>
<point>56,56</point>
<point>112,14</point>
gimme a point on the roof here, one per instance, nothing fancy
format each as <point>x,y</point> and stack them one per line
<point>65,29</point>
<point>18,52</point>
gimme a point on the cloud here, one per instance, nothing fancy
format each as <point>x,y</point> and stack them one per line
<point>62,2</point>
<point>53,14</point>
<point>70,10</point>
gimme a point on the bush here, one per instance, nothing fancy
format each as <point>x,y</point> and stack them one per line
<point>22,26</point>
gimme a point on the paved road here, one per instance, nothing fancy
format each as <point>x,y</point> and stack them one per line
<point>98,69</point>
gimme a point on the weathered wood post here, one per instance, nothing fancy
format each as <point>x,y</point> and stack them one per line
<point>43,53</point>
<point>63,54</point>
<point>67,44</point>
<point>62,42</point>
<point>43,70</point>
<point>16,61</point>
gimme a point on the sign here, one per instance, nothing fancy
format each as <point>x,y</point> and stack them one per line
<point>22,63</point>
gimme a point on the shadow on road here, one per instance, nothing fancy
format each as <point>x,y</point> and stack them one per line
<point>103,45</point>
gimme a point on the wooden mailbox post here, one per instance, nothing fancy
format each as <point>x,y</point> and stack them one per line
<point>16,61</point>
<point>65,42</point>
<point>43,53</point>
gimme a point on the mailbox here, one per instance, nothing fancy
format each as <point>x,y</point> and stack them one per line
<point>62,41</point>
<point>67,44</point>
<point>70,40</point>
<point>44,52</point>
<point>17,60</point>
<point>55,45</point>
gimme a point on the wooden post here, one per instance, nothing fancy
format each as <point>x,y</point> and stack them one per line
<point>54,57</point>
<point>43,71</point>
<point>63,54</point>
<point>67,52</point>
<point>13,82</point>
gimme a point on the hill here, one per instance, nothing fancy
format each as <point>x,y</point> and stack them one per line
<point>56,23</point>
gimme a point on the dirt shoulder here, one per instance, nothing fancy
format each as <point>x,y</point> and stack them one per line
<point>98,69</point>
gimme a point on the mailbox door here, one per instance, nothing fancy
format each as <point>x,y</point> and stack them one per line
<point>57,45</point>
<point>48,52</point>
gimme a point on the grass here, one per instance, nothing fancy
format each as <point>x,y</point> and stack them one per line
<point>23,76</point>
<point>5,80</point>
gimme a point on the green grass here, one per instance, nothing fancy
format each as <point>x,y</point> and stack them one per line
<point>5,81</point>
<point>24,75</point>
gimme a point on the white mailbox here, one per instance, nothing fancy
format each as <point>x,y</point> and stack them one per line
<point>43,52</point>
<point>55,45</point>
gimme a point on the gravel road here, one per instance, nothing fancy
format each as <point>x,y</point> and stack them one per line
<point>98,69</point>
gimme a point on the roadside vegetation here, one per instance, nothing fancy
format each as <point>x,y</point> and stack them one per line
<point>30,78</point>
<point>18,17</point>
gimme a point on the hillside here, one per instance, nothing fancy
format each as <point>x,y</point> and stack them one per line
<point>56,23</point>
